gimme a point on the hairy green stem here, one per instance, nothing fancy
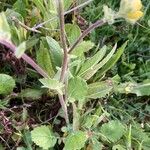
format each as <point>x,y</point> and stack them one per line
<point>76,117</point>
<point>63,39</point>
<point>65,58</point>
<point>64,108</point>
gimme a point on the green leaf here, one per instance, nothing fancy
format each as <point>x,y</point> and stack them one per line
<point>55,51</point>
<point>52,7</point>
<point>48,10</point>
<point>145,144</point>
<point>77,89</point>
<point>75,140</point>
<point>113,130</point>
<point>1,147</point>
<point>96,145</point>
<point>18,33</point>
<point>112,61</point>
<point>20,7</point>
<point>31,42</point>
<point>73,32</point>
<point>124,87</point>
<point>4,27</point>
<point>98,89</point>
<point>52,84</point>
<point>20,50</point>
<point>27,139</point>
<point>44,59</point>
<point>40,6</point>
<point>118,147</point>
<point>67,4</point>
<point>139,135</point>
<point>140,89</point>
<point>92,71</point>
<point>90,120</point>
<point>7,83</point>
<point>91,62</point>
<point>3,104</point>
<point>51,11</point>
<point>43,137</point>
<point>31,94</point>
<point>84,46</point>
<point>11,13</point>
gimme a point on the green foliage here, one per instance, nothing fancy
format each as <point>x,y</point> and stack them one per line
<point>40,5</point>
<point>98,89</point>
<point>31,94</point>
<point>141,137</point>
<point>90,120</point>
<point>20,50</point>
<point>7,84</point>
<point>44,59</point>
<point>3,104</point>
<point>100,64</point>
<point>55,51</point>
<point>48,10</point>
<point>67,4</point>
<point>112,61</point>
<point>83,47</point>
<point>31,42</point>
<point>95,144</point>
<point>73,32</point>
<point>75,140</point>
<point>20,7</point>
<point>4,27</point>
<point>77,89</point>
<point>105,94</point>
<point>52,84</point>
<point>27,139</point>
<point>91,62</point>
<point>43,137</point>
<point>140,89</point>
<point>113,130</point>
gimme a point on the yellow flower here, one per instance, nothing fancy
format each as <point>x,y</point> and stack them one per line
<point>136,4</point>
<point>131,10</point>
<point>135,15</point>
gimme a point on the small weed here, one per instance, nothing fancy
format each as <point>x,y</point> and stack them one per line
<point>74,75</point>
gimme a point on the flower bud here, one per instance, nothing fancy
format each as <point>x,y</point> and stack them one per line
<point>109,14</point>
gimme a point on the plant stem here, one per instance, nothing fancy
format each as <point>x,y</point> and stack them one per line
<point>64,108</point>
<point>63,39</point>
<point>23,25</point>
<point>76,117</point>
<point>98,23</point>
<point>25,57</point>
<point>65,58</point>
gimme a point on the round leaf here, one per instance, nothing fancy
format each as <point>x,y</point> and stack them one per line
<point>113,130</point>
<point>77,89</point>
<point>7,83</point>
<point>75,141</point>
<point>43,137</point>
<point>52,84</point>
